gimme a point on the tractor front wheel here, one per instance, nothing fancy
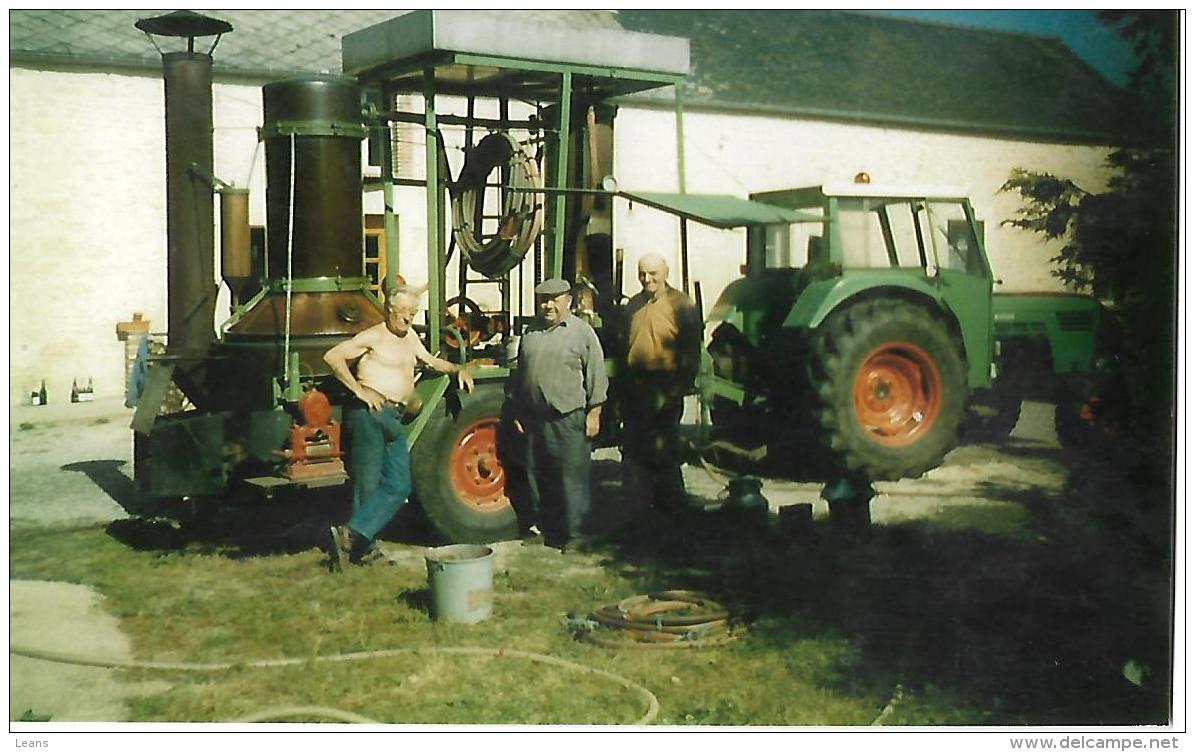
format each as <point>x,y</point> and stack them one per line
<point>889,388</point>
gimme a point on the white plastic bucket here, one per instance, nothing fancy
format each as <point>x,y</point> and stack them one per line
<point>461,579</point>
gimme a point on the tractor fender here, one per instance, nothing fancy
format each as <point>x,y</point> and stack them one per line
<point>735,297</point>
<point>754,305</point>
<point>819,299</point>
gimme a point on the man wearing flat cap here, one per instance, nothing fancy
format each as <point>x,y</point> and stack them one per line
<point>558,389</point>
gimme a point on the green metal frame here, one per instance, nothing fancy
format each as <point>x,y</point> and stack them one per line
<point>560,85</point>
<point>432,390</point>
<point>563,84</point>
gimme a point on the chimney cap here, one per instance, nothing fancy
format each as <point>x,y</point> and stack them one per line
<point>183,23</point>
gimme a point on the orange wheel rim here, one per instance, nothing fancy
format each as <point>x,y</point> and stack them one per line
<point>477,475</point>
<point>898,393</point>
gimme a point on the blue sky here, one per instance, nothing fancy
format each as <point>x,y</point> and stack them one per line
<point>1091,40</point>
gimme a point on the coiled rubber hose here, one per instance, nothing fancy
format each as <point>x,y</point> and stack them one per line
<point>522,215</point>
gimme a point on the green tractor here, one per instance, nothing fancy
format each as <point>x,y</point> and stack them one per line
<point>863,323</point>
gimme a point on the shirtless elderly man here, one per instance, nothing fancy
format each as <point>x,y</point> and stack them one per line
<point>384,384</point>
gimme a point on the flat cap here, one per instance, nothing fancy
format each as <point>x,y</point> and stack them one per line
<point>553,286</point>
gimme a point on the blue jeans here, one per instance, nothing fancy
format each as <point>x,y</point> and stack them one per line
<point>381,469</point>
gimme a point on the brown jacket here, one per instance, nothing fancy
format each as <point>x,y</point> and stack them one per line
<point>665,334</point>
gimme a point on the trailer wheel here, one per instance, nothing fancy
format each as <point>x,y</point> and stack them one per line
<point>1085,413</point>
<point>458,476</point>
<point>889,389</point>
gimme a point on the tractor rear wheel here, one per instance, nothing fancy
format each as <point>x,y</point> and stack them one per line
<point>889,389</point>
<point>458,477</point>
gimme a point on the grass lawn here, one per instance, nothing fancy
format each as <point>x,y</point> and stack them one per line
<point>930,624</point>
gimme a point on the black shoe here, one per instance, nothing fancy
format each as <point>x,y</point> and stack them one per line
<point>342,547</point>
<point>373,555</point>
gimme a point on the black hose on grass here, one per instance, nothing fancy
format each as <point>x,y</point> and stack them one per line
<point>653,704</point>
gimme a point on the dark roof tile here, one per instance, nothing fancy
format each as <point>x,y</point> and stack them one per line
<point>263,42</point>
<point>867,67</point>
<point>846,65</point>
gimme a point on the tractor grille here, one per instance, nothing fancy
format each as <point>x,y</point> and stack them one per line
<point>1076,321</point>
<point>1019,328</point>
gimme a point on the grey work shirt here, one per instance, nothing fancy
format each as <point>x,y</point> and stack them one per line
<point>560,369</point>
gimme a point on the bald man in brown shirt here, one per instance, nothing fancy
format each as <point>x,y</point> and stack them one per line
<point>663,354</point>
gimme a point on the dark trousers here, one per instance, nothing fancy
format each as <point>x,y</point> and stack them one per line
<point>558,464</point>
<point>652,405</point>
<point>380,467</point>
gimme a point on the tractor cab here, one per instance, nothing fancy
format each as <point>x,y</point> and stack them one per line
<point>867,226</point>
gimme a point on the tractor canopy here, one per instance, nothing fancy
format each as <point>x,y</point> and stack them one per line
<point>720,210</point>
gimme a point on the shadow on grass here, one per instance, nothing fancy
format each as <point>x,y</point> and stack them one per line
<point>418,599</point>
<point>107,476</point>
<point>1035,628</point>
<point>244,526</point>
<point>237,525</point>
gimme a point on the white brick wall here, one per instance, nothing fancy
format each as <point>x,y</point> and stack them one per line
<point>88,223</point>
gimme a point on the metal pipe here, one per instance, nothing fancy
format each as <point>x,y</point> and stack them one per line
<point>190,215</point>
<point>684,254</point>
<point>499,124</point>
<point>389,216</point>
<point>504,287</point>
<point>435,199</point>
<point>680,140</point>
<point>462,283</point>
<point>561,177</point>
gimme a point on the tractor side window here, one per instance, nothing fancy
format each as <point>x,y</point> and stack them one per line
<point>881,233</point>
<point>790,246</point>
<point>812,239</point>
<point>779,246</point>
<point>956,245</point>
<point>862,238</point>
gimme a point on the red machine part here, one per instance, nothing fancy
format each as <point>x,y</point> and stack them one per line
<point>315,448</point>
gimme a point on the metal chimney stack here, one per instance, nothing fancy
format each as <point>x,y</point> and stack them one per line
<point>190,214</point>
